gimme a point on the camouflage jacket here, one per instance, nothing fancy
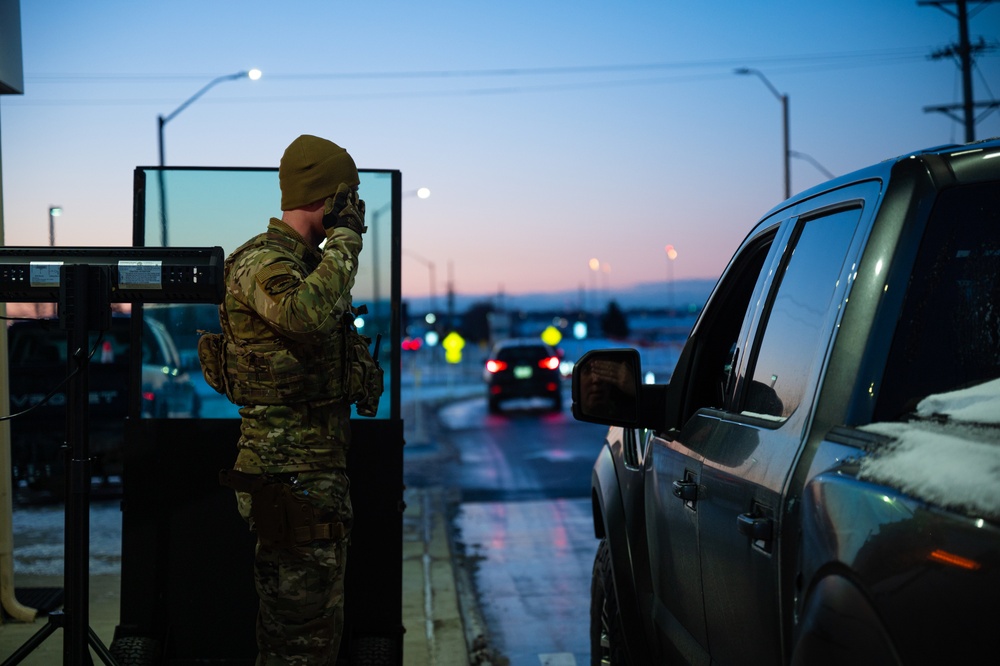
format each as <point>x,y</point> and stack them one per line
<point>284,294</point>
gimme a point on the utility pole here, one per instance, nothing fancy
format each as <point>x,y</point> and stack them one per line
<point>451,296</point>
<point>964,51</point>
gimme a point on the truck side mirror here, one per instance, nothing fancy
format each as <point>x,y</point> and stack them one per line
<point>606,387</point>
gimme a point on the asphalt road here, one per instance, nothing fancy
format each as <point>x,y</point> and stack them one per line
<point>522,525</point>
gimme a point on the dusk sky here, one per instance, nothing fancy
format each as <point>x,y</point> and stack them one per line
<point>549,132</point>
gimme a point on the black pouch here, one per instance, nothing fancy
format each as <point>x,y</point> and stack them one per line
<point>282,518</point>
<point>274,507</point>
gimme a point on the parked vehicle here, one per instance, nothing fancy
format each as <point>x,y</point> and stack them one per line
<point>820,480</point>
<point>523,368</point>
<point>37,354</point>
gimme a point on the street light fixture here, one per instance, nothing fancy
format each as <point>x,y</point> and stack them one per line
<point>54,212</point>
<point>594,264</point>
<point>252,74</point>
<point>671,252</point>
<point>783,98</point>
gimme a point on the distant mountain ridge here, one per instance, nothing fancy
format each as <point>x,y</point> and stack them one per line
<point>681,294</point>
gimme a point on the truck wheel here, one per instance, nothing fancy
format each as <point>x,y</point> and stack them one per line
<point>607,646</point>
<point>135,651</point>
<point>494,405</point>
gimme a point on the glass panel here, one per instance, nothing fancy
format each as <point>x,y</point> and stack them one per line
<point>227,207</point>
<point>715,356</point>
<point>948,336</point>
<point>796,329</point>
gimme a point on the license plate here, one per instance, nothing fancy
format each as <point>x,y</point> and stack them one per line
<point>522,372</point>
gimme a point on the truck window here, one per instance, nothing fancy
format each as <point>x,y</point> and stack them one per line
<point>795,329</point>
<point>948,334</point>
<point>712,364</point>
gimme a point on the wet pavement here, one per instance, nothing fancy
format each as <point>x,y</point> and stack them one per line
<point>531,567</point>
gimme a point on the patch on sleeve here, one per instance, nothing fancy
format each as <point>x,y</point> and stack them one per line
<point>276,279</point>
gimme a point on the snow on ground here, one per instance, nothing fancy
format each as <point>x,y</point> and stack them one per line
<point>954,464</point>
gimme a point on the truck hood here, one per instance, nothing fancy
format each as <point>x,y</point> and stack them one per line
<point>948,455</point>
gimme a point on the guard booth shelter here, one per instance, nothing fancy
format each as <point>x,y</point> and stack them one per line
<point>187,592</point>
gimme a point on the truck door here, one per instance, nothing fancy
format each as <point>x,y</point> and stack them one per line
<point>751,446</point>
<point>674,460</point>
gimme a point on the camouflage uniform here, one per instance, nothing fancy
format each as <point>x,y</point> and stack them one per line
<point>282,292</point>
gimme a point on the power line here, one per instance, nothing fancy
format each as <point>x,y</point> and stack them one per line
<point>805,64</point>
<point>868,56</point>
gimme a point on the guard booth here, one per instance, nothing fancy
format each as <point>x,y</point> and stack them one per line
<point>187,591</point>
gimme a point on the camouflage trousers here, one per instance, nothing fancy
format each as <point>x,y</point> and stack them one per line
<point>300,619</point>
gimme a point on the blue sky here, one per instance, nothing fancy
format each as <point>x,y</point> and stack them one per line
<point>549,132</point>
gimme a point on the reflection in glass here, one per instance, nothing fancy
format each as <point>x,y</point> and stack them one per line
<point>608,386</point>
<point>226,207</point>
<point>796,326</point>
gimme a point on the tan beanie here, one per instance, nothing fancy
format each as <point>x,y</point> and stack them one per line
<point>311,169</point>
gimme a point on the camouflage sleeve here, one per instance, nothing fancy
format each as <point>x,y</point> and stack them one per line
<point>307,307</point>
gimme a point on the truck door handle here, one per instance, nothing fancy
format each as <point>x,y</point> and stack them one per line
<point>686,490</point>
<point>756,527</point>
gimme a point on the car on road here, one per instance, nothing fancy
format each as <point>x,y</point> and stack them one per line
<point>819,482</point>
<point>523,368</point>
<point>37,351</point>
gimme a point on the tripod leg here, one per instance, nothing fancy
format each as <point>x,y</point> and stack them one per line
<point>55,622</point>
<point>101,651</point>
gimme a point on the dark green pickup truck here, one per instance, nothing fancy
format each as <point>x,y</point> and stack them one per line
<point>819,483</point>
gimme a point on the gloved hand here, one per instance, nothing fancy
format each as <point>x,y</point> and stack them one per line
<point>344,209</point>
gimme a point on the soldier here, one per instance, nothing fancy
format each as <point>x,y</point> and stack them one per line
<point>282,356</point>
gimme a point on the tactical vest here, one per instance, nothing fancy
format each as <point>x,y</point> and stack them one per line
<point>271,369</point>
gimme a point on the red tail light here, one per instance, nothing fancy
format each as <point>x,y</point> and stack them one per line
<point>495,366</point>
<point>550,363</point>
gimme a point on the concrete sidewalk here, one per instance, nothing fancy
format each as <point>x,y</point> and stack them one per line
<point>435,631</point>
<point>435,634</point>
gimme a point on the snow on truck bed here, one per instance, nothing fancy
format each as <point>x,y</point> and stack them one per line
<point>955,463</point>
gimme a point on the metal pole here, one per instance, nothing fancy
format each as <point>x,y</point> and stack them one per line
<point>965,53</point>
<point>163,193</point>
<point>163,120</point>
<point>788,153</point>
<point>433,281</point>
<point>783,98</point>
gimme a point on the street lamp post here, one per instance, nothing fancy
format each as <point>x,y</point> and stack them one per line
<point>253,75</point>
<point>54,212</point>
<point>783,98</point>
<point>421,193</point>
<point>433,280</point>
